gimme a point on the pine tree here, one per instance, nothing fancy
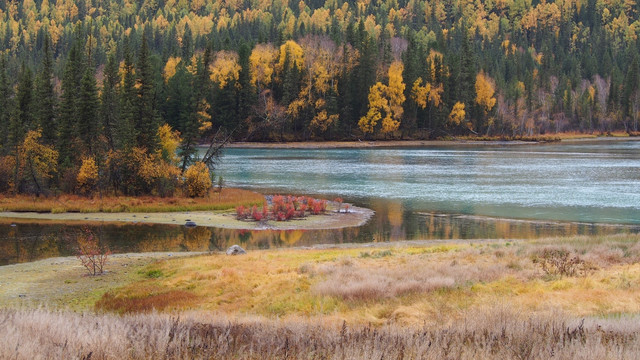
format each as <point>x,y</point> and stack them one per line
<point>467,72</point>
<point>6,104</point>
<point>88,124</point>
<point>109,109</point>
<point>246,98</point>
<point>147,119</point>
<point>22,119</point>
<point>630,89</point>
<point>126,133</point>
<point>68,111</point>
<point>46,98</point>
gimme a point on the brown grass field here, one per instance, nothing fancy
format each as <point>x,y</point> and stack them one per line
<point>229,198</point>
<point>556,298</point>
<point>489,333</point>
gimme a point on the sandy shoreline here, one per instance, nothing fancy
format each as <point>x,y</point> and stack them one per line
<point>331,220</point>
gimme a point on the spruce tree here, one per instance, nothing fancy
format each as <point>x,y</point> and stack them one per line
<point>68,111</point>
<point>6,106</point>
<point>46,98</point>
<point>22,119</point>
<point>110,109</point>
<point>126,133</point>
<point>88,125</point>
<point>246,97</point>
<point>631,87</point>
<point>147,119</point>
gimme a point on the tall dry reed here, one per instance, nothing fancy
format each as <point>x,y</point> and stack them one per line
<point>496,333</point>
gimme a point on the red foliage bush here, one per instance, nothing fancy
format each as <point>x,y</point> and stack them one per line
<point>284,208</point>
<point>257,215</point>
<point>241,212</point>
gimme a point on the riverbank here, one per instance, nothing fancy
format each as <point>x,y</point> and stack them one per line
<point>221,219</point>
<point>464,141</point>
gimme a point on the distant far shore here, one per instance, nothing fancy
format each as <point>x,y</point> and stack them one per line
<point>423,143</point>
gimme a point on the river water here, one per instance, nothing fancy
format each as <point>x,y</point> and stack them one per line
<point>497,191</point>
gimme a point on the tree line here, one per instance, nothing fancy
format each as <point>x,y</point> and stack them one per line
<point>121,91</point>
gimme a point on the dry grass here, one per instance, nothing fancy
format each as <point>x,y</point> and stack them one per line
<point>229,198</point>
<point>405,284</point>
<point>489,333</point>
<point>460,300</point>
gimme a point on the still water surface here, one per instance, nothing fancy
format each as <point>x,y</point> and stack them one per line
<point>454,192</point>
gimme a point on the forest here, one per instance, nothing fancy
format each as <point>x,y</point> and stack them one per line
<point>116,95</point>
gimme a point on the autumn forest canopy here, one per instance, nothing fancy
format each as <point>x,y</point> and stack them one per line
<point>115,95</point>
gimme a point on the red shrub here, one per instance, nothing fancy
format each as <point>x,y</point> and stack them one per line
<point>241,212</point>
<point>290,211</point>
<point>257,215</point>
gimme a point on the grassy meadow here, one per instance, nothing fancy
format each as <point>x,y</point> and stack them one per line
<point>565,298</point>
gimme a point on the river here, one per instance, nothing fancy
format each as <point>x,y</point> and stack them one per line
<point>486,191</point>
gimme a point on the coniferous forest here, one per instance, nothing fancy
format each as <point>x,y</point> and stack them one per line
<point>117,94</point>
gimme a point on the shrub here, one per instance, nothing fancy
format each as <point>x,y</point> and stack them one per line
<point>560,261</point>
<point>241,212</point>
<point>197,179</point>
<point>87,177</point>
<point>7,170</point>
<point>284,208</point>
<point>257,215</point>
<point>91,254</point>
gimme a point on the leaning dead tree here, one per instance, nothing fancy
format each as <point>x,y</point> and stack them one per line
<point>216,142</point>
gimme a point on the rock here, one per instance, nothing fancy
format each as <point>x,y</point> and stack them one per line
<point>190,224</point>
<point>235,250</point>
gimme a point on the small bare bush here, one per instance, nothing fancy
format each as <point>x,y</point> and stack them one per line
<point>91,253</point>
<point>561,262</point>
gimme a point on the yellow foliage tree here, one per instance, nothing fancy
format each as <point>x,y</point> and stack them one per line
<point>262,60</point>
<point>37,162</point>
<point>484,92</point>
<point>170,67</point>
<point>169,142</point>
<point>423,95</point>
<point>87,177</point>
<point>197,179</point>
<point>485,89</point>
<point>225,68</point>
<point>457,115</point>
<point>387,100</point>
<point>378,103</point>
<point>295,53</point>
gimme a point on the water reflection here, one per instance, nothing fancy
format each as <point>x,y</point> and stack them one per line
<point>34,240</point>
